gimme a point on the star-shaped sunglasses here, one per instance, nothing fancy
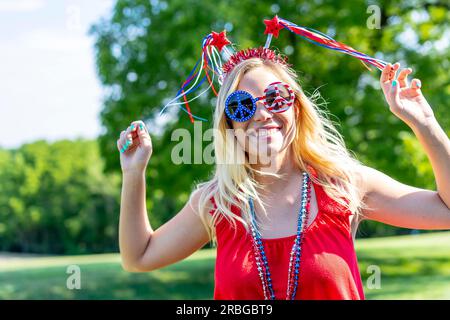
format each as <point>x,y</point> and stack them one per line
<point>240,105</point>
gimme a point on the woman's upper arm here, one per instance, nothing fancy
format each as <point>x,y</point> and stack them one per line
<point>401,205</point>
<point>176,239</point>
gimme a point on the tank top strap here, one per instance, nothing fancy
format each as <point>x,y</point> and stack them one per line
<point>233,208</point>
<point>317,188</point>
<point>213,201</point>
<point>324,201</point>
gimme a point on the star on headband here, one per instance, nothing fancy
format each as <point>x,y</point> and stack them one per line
<point>273,26</point>
<point>219,40</point>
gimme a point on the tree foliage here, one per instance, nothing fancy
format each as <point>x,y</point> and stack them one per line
<point>55,198</point>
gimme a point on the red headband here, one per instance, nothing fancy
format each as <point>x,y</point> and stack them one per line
<point>261,52</point>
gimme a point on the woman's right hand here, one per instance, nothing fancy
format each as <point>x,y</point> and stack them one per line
<point>135,147</point>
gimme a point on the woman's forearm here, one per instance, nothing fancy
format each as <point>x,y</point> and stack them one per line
<point>134,227</point>
<point>437,147</point>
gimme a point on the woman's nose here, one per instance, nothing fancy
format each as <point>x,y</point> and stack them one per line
<point>261,113</point>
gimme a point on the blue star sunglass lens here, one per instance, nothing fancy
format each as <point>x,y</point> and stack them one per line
<point>240,106</point>
<point>232,107</point>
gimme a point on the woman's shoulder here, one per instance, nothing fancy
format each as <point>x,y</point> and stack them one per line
<point>361,175</point>
<point>328,194</point>
<point>203,195</point>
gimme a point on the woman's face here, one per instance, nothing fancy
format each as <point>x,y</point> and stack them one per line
<point>265,134</point>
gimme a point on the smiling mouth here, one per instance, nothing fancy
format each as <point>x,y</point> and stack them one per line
<point>265,132</point>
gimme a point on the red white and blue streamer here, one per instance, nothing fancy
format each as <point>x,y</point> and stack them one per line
<point>210,63</point>
<point>274,25</point>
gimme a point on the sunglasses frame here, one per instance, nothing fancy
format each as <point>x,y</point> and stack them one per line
<point>270,108</point>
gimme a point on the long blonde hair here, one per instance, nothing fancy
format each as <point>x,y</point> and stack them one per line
<point>316,143</point>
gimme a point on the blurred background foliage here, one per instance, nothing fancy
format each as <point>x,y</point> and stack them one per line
<point>55,198</point>
<point>64,197</point>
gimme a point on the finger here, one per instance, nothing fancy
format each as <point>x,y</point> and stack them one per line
<point>127,132</point>
<point>131,129</point>
<point>385,74</point>
<point>139,125</point>
<point>122,137</point>
<point>122,145</point>
<point>143,129</point>
<point>140,129</point>
<point>416,84</point>
<point>393,72</point>
<point>134,128</point>
<point>125,145</point>
<point>394,93</point>
<point>144,136</point>
<point>126,139</point>
<point>402,77</point>
<point>119,146</point>
<point>415,87</point>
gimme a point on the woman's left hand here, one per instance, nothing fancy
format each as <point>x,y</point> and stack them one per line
<point>405,100</point>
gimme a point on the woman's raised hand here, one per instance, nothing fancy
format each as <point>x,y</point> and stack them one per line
<point>405,100</point>
<point>135,147</point>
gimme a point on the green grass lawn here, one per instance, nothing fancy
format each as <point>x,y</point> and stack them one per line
<point>412,267</point>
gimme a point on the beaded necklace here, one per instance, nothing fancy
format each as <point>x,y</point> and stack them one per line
<point>294,260</point>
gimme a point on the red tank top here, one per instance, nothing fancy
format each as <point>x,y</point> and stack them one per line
<point>328,268</point>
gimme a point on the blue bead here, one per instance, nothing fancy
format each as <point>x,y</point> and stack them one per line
<point>296,271</point>
<point>296,277</point>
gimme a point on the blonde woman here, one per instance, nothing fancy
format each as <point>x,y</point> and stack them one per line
<point>284,216</point>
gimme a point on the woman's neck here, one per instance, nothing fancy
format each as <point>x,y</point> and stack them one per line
<point>283,164</point>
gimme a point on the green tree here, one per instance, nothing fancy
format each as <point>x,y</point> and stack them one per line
<point>55,198</point>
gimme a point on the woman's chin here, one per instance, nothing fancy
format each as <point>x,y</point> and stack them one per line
<point>269,142</point>
<point>265,150</point>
